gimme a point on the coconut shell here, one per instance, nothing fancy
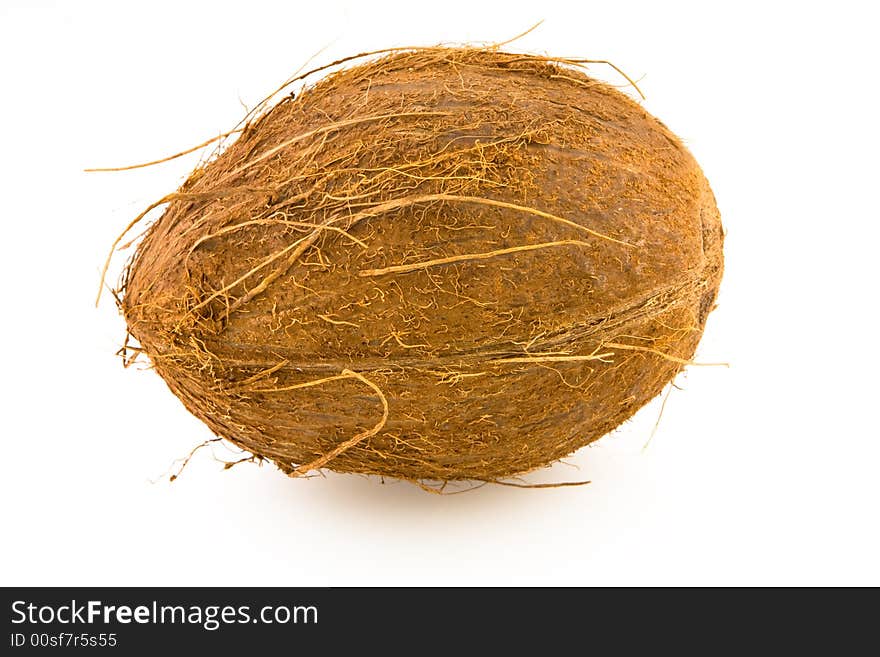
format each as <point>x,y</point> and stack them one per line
<point>440,264</point>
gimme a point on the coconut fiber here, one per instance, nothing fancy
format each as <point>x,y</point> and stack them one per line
<point>437,264</point>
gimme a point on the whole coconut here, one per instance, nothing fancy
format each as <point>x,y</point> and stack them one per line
<point>441,264</point>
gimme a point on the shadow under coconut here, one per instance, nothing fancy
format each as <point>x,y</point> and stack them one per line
<point>335,492</point>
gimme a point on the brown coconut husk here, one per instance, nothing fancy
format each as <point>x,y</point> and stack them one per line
<point>439,264</point>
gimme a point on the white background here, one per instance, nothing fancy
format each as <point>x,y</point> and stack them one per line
<point>763,473</point>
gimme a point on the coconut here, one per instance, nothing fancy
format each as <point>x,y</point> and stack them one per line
<point>439,264</point>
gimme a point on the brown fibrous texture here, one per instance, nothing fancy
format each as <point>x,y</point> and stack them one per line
<point>439,264</point>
